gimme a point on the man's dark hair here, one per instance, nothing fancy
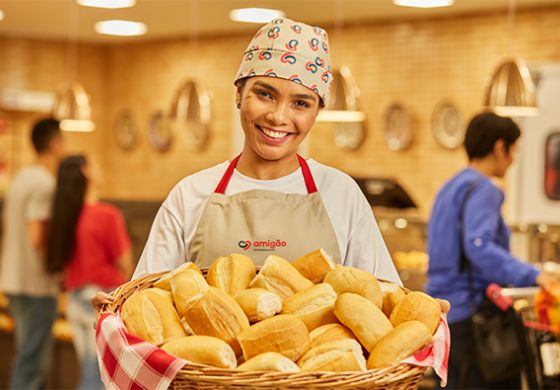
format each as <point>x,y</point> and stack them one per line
<point>485,129</point>
<point>43,132</point>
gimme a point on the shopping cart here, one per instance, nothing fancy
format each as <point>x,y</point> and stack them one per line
<point>531,332</point>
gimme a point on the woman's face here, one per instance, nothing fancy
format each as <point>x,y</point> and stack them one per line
<point>276,115</point>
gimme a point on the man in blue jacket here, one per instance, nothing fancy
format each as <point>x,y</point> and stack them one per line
<point>490,143</point>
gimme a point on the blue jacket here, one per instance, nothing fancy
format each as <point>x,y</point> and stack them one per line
<point>485,240</point>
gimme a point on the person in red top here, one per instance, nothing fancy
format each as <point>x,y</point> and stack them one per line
<point>89,243</point>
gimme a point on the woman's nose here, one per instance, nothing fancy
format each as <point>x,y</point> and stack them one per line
<point>278,114</point>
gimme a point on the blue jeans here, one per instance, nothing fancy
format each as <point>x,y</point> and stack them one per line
<point>33,317</point>
<point>82,316</point>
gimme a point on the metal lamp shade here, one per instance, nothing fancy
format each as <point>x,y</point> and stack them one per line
<point>512,90</point>
<point>73,108</point>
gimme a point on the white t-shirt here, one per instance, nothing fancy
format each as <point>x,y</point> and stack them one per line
<point>359,239</point>
<point>29,199</point>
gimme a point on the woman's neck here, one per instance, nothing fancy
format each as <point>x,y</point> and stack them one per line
<point>254,166</point>
<point>485,166</point>
<point>91,196</point>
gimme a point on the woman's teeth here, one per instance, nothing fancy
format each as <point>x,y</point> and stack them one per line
<point>274,134</point>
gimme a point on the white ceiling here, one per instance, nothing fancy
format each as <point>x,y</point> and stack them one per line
<point>64,19</point>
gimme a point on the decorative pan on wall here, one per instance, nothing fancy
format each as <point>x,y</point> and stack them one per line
<point>160,132</point>
<point>447,125</point>
<point>398,127</point>
<point>126,132</point>
<point>191,113</point>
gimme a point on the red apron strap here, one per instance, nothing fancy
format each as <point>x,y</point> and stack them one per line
<point>307,176</point>
<point>221,188</point>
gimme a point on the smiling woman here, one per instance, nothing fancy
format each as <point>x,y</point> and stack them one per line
<point>270,194</point>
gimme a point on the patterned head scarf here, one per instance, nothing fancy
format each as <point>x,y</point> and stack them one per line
<point>290,50</point>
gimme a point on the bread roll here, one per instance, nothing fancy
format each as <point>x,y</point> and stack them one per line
<point>231,273</point>
<point>217,314</point>
<point>363,318</point>
<point>203,350</point>
<point>284,333</point>
<point>269,361</point>
<point>258,303</point>
<point>392,295</point>
<point>187,286</point>
<point>400,343</point>
<point>356,281</point>
<point>280,277</point>
<point>151,316</point>
<point>315,265</point>
<point>328,333</point>
<point>165,281</point>
<point>417,306</point>
<point>339,355</point>
<point>313,306</point>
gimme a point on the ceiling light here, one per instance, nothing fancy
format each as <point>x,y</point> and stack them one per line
<point>107,3</point>
<point>77,125</point>
<point>1,14</point>
<point>255,15</point>
<point>120,27</point>
<point>423,3</point>
<point>73,108</point>
<point>511,91</point>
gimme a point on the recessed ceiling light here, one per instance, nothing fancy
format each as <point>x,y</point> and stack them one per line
<point>120,27</point>
<point>1,14</point>
<point>255,15</point>
<point>424,3</point>
<point>107,3</point>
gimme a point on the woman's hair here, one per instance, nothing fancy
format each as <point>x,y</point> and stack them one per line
<point>484,130</point>
<point>68,201</point>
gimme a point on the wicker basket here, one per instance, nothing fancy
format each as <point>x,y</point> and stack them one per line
<point>198,376</point>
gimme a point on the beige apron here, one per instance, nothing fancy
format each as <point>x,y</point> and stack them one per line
<point>260,223</point>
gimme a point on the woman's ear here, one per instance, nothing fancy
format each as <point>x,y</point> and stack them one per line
<point>500,148</point>
<point>238,97</point>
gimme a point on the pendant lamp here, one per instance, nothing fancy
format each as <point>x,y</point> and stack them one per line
<point>511,91</point>
<point>73,108</point>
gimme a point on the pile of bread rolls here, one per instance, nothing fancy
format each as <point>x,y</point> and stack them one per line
<point>308,315</point>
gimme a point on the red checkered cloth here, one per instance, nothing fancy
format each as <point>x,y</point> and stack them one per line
<point>128,362</point>
<point>436,355</point>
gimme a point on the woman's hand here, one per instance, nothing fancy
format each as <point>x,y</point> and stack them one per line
<point>550,282</point>
<point>101,298</point>
<point>445,305</point>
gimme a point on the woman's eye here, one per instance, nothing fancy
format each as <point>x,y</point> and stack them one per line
<point>264,93</point>
<point>302,104</point>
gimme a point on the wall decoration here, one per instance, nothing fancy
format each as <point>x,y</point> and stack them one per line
<point>160,131</point>
<point>552,166</point>
<point>448,128</point>
<point>398,127</point>
<point>126,132</point>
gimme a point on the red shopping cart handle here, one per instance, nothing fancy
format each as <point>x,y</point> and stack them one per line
<point>494,293</point>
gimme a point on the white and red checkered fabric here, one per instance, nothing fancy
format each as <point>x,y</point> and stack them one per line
<point>128,362</point>
<point>436,355</point>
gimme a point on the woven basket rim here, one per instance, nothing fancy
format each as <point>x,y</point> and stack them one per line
<point>397,376</point>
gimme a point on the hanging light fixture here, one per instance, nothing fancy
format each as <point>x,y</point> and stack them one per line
<point>72,107</point>
<point>511,91</point>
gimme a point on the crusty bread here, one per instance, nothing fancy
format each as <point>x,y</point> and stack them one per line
<point>187,286</point>
<point>339,355</point>
<point>329,332</point>
<point>356,281</point>
<point>203,350</point>
<point>269,361</point>
<point>392,295</point>
<point>315,265</point>
<point>231,273</point>
<point>398,344</point>
<point>165,281</point>
<point>280,277</point>
<point>363,318</point>
<point>258,303</point>
<point>151,316</point>
<point>417,306</point>
<point>284,333</point>
<point>313,306</point>
<point>217,314</point>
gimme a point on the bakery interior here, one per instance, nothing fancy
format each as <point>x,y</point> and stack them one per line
<point>160,106</point>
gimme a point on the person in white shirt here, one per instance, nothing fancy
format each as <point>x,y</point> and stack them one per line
<point>269,200</point>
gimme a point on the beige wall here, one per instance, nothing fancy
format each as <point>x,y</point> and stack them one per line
<point>417,63</point>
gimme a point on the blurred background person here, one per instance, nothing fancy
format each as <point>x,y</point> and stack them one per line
<point>88,241</point>
<point>23,277</point>
<point>490,143</point>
